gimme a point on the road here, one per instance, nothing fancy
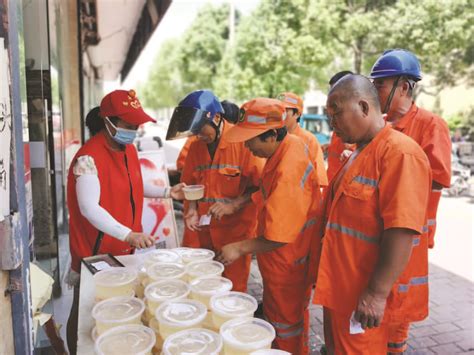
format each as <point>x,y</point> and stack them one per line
<point>454,245</point>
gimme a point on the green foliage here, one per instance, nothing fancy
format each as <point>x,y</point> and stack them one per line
<point>286,44</point>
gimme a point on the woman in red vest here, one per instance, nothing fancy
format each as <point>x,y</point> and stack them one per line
<point>105,190</point>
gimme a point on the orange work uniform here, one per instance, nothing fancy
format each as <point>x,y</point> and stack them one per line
<point>190,238</point>
<point>284,202</point>
<point>432,134</point>
<point>335,149</point>
<point>315,153</point>
<point>386,186</point>
<point>227,176</point>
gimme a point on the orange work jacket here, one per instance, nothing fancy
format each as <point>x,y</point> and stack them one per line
<point>432,134</point>
<point>184,153</point>
<point>315,153</point>
<point>225,177</point>
<point>335,149</point>
<point>387,186</point>
<point>284,204</point>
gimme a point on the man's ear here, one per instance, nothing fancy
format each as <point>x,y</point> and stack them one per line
<point>405,88</point>
<point>364,106</point>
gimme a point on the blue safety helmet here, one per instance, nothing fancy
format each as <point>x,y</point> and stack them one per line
<point>397,62</point>
<point>192,113</point>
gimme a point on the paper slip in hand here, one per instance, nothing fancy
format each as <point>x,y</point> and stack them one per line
<point>205,220</point>
<point>354,326</point>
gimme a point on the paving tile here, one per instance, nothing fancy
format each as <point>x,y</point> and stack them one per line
<point>446,349</point>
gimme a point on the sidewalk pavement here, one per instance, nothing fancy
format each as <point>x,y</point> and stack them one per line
<point>448,330</point>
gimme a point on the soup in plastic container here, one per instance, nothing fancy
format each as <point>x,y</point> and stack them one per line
<point>232,305</point>
<point>191,255</point>
<point>242,336</point>
<point>161,291</point>
<point>203,269</point>
<point>196,341</point>
<point>113,282</point>
<point>117,311</point>
<point>164,271</point>
<point>126,339</point>
<point>203,288</point>
<point>174,316</point>
<point>161,256</point>
<point>193,192</point>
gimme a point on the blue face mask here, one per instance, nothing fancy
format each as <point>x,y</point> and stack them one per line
<point>122,136</point>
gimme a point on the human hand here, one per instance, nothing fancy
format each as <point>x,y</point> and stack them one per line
<point>177,191</point>
<point>229,253</point>
<point>370,309</point>
<point>192,220</point>
<point>140,240</point>
<point>345,154</point>
<point>220,209</point>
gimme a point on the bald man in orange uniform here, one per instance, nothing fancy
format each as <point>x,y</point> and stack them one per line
<point>294,109</point>
<point>373,266</point>
<point>284,203</point>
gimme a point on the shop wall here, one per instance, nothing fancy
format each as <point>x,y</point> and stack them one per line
<point>6,330</point>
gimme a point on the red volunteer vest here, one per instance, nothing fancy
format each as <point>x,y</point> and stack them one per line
<point>121,194</point>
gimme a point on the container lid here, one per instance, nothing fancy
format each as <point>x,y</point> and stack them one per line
<point>233,304</point>
<point>190,255</point>
<point>161,256</point>
<point>162,271</point>
<point>118,309</point>
<point>210,285</point>
<point>165,290</point>
<point>247,333</point>
<point>126,339</point>
<point>181,313</point>
<point>195,341</point>
<point>115,276</point>
<point>204,268</point>
<point>270,352</point>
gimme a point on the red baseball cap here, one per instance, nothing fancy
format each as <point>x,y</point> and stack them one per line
<point>257,116</point>
<point>125,105</point>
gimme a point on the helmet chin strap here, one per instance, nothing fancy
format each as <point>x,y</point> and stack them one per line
<point>390,97</point>
<point>218,130</point>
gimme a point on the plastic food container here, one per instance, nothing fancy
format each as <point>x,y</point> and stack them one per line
<point>203,288</point>
<point>190,255</point>
<point>161,291</point>
<point>164,271</point>
<point>127,339</point>
<point>161,256</point>
<point>193,192</point>
<point>117,311</point>
<point>174,316</point>
<point>159,340</point>
<point>113,282</point>
<point>232,305</point>
<point>245,335</point>
<point>203,269</point>
<point>196,341</point>
<point>270,352</point>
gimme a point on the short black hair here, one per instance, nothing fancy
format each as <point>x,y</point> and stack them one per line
<point>280,133</point>
<point>231,111</point>
<point>335,78</point>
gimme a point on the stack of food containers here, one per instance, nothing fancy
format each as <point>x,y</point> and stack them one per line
<point>188,306</point>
